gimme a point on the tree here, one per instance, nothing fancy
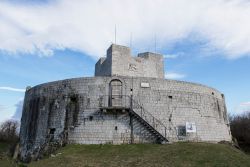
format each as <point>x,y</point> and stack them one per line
<point>9,130</point>
<point>240,128</point>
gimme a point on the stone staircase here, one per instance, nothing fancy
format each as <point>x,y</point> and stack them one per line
<point>159,137</point>
<point>145,118</point>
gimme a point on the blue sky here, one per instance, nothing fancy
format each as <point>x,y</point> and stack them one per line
<point>204,42</point>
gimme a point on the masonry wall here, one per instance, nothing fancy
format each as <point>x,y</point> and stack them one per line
<point>103,67</point>
<point>68,111</point>
<point>120,62</point>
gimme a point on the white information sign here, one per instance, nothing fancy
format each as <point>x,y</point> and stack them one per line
<point>145,85</point>
<point>190,127</point>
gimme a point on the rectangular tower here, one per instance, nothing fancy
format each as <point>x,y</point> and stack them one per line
<point>120,62</point>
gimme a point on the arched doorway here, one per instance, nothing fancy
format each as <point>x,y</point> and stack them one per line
<point>115,93</point>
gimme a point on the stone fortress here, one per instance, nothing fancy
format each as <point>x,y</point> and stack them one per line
<point>128,101</point>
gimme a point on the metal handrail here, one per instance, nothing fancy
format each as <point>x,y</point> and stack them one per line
<point>143,113</point>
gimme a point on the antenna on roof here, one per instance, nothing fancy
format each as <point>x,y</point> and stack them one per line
<point>115,33</point>
<point>131,37</point>
<point>155,43</point>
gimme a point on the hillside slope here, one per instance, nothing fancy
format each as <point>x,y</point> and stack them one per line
<point>176,155</point>
<point>5,161</point>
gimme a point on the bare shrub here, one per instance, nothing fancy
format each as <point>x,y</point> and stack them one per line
<point>240,128</point>
<point>9,131</point>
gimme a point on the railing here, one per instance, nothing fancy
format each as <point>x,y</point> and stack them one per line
<point>130,103</point>
<point>149,118</point>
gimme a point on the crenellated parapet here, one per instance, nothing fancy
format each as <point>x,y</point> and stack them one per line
<point>120,62</point>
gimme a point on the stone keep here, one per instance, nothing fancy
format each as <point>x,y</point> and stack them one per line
<point>128,101</point>
<point>119,62</point>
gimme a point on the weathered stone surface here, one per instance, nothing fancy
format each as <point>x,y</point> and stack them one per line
<point>73,111</point>
<point>119,62</point>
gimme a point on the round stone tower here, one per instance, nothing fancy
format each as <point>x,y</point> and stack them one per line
<point>128,101</point>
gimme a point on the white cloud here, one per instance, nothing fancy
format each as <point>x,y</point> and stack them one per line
<point>243,107</point>
<point>88,26</point>
<point>1,108</point>
<point>12,89</point>
<point>170,56</point>
<point>246,104</point>
<point>6,112</point>
<point>173,75</point>
<point>19,108</point>
<point>11,111</point>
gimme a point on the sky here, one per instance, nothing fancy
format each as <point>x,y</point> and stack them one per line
<point>205,42</point>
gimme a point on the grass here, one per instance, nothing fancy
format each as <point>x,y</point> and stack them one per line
<point>146,155</point>
<point>5,161</point>
<point>178,154</point>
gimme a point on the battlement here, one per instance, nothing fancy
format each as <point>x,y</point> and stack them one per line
<point>120,62</point>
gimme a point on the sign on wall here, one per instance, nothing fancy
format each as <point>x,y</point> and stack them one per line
<point>190,127</point>
<point>145,85</point>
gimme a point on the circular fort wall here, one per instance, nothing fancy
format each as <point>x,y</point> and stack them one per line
<point>70,111</point>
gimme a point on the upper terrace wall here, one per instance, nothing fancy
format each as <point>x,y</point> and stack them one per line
<point>119,62</point>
